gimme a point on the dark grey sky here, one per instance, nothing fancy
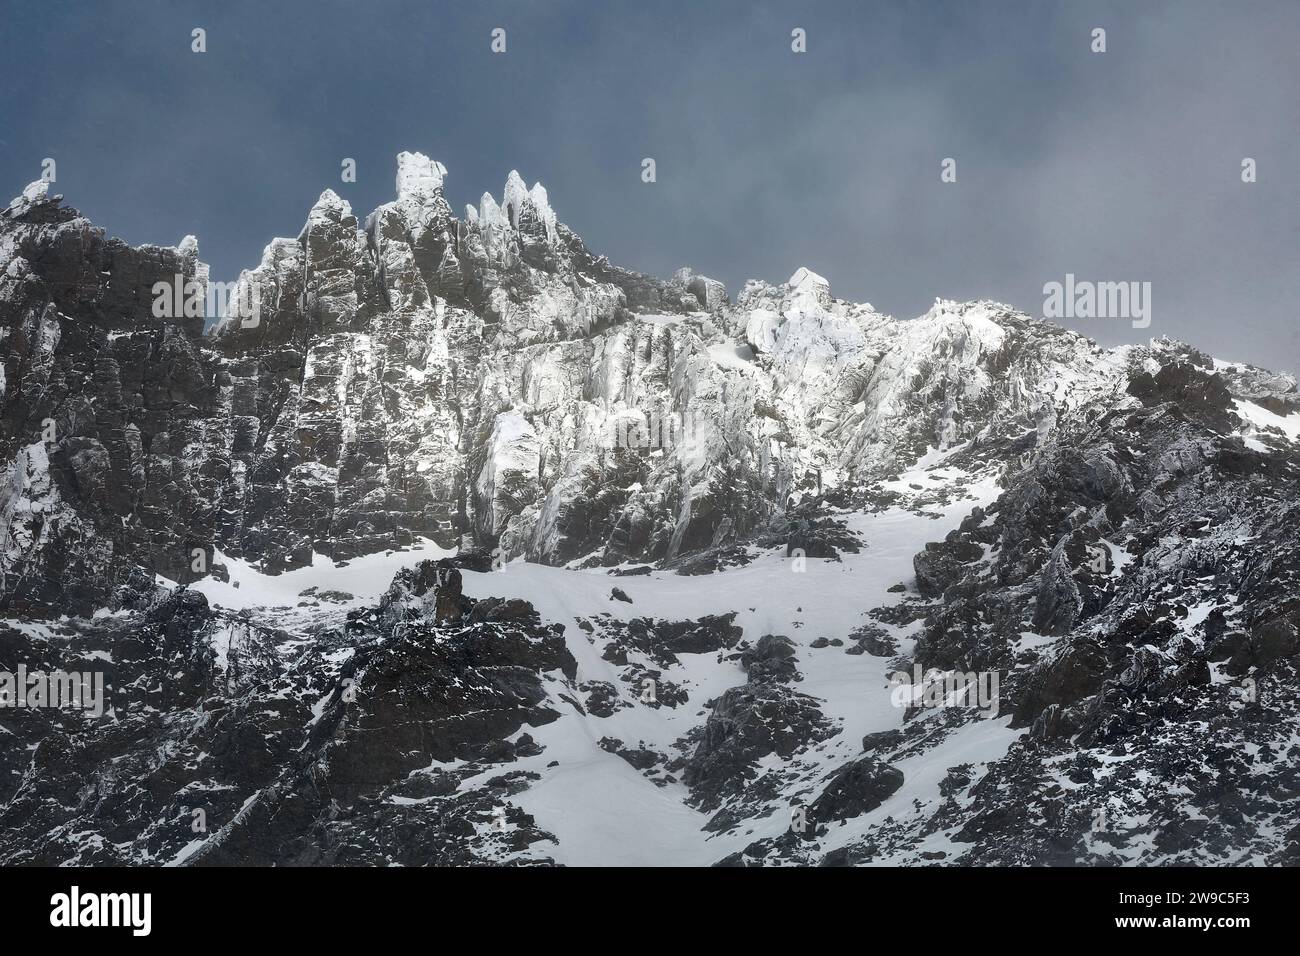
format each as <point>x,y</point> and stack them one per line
<point>1116,166</point>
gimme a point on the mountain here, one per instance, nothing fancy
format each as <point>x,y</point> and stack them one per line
<point>464,545</point>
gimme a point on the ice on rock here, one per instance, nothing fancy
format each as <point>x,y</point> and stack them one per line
<point>520,208</point>
<point>261,285</point>
<point>797,383</point>
<point>27,497</point>
<point>510,469</point>
<point>803,276</point>
<point>419,178</point>
<point>810,293</point>
<point>490,214</point>
<point>493,227</point>
<point>760,330</point>
<point>33,194</point>
<point>17,268</point>
<point>419,195</point>
<point>580,414</point>
<point>710,294</point>
<point>516,194</point>
<point>188,248</point>
<point>330,207</point>
<point>545,213</point>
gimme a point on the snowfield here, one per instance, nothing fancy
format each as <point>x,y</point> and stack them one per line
<point>601,809</point>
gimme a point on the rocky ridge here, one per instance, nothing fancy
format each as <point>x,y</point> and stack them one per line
<point>1107,531</point>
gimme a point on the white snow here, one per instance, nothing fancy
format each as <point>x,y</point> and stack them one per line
<point>805,275</point>
<point>1261,418</point>
<point>601,809</point>
<point>366,578</point>
<point>419,178</point>
<point>732,356</point>
<point>512,200</point>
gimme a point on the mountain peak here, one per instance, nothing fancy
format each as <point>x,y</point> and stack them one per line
<point>805,276</point>
<point>972,490</point>
<point>330,206</point>
<point>514,197</point>
<point>419,178</point>
<point>35,196</point>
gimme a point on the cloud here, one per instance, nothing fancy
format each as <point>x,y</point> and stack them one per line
<point>1114,166</point>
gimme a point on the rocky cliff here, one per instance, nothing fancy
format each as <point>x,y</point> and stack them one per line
<point>700,535</point>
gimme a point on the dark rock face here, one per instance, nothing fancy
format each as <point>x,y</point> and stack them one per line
<point>413,375</point>
<point>772,659</point>
<point>101,404</point>
<point>641,758</point>
<point>1275,638</point>
<point>292,755</point>
<point>1200,395</point>
<point>1121,543</point>
<point>747,723</point>
<point>856,789</point>
<point>942,563</point>
<point>882,740</point>
<point>662,641</point>
<point>1076,674</point>
<point>429,586</point>
<point>1059,601</point>
<point>872,639</point>
<point>350,415</point>
<point>809,534</point>
<point>488,383</point>
<point>453,700</point>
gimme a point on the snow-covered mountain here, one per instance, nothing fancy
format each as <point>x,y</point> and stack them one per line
<point>469,546</point>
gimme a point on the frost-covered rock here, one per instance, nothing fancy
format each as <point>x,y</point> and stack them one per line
<point>360,405</point>
<point>1111,531</point>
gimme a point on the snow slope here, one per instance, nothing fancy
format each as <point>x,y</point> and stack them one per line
<point>601,809</point>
